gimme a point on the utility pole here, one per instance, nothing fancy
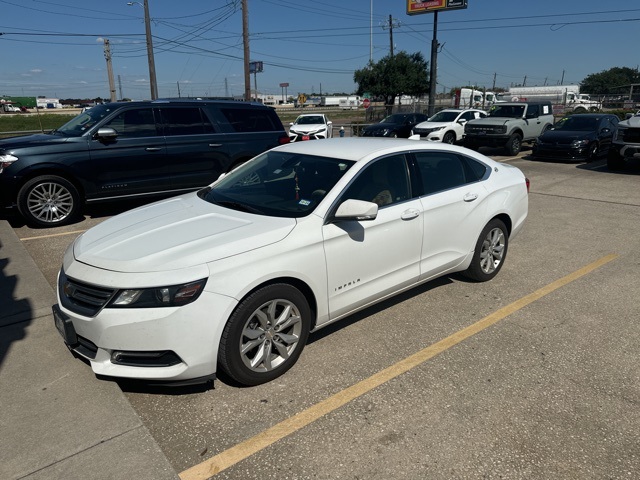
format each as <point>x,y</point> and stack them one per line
<point>153,84</point>
<point>390,25</point>
<point>434,69</point>
<point>178,82</point>
<point>524,82</point>
<point>107,56</point>
<point>493,89</point>
<point>120,87</point>
<point>245,41</point>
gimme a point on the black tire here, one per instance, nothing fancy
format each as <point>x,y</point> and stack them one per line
<point>49,201</point>
<point>490,252</point>
<point>449,137</point>
<point>614,161</point>
<point>514,144</point>
<point>255,348</point>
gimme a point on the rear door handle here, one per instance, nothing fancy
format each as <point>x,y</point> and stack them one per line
<point>410,214</point>
<point>215,145</point>
<point>470,197</point>
<point>153,149</point>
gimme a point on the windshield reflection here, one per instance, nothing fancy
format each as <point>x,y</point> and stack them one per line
<point>79,124</point>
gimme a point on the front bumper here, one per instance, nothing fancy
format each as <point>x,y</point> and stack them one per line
<point>300,137</point>
<point>471,139</point>
<point>561,152</point>
<point>161,345</point>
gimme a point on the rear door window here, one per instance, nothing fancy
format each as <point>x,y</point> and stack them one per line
<point>249,119</point>
<point>442,171</point>
<point>186,121</point>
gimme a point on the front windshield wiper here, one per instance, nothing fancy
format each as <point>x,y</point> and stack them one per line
<point>243,207</point>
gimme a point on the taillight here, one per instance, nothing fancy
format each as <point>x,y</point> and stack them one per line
<point>283,140</point>
<point>528,183</point>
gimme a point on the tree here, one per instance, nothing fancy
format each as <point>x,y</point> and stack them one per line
<point>606,81</point>
<point>402,74</point>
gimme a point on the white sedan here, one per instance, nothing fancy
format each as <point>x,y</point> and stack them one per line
<point>312,126</point>
<point>446,126</point>
<point>236,275</point>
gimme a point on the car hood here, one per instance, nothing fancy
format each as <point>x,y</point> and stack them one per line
<point>433,124</point>
<point>307,128</point>
<point>177,233</point>
<point>382,126</point>
<point>566,135</point>
<point>31,141</point>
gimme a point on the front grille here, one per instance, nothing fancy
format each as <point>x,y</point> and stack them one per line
<point>484,129</point>
<point>423,132</point>
<point>629,135</point>
<point>83,298</point>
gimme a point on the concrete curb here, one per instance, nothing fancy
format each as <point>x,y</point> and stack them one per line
<point>57,419</point>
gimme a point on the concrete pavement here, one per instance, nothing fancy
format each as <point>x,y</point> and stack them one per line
<point>56,419</point>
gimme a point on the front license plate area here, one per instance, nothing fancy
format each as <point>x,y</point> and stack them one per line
<point>305,137</point>
<point>64,326</point>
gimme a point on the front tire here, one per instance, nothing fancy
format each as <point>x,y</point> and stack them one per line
<point>514,144</point>
<point>449,138</point>
<point>49,201</point>
<point>490,252</point>
<point>592,154</point>
<point>265,335</point>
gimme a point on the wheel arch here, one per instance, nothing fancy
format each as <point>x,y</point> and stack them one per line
<point>304,288</point>
<point>506,219</point>
<point>51,170</point>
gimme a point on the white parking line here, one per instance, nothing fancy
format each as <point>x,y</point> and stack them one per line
<point>75,232</point>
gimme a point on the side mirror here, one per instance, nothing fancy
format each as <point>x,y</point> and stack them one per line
<point>462,121</point>
<point>414,136</point>
<point>356,210</point>
<point>605,130</point>
<point>106,133</point>
<point>329,122</point>
<point>290,123</point>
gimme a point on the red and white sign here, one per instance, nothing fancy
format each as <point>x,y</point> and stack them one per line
<point>366,103</point>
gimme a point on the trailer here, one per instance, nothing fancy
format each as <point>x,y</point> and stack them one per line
<point>566,97</point>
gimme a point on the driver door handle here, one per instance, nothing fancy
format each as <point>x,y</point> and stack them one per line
<point>153,149</point>
<point>215,145</point>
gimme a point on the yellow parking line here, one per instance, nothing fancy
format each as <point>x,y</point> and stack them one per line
<point>53,235</point>
<point>285,428</point>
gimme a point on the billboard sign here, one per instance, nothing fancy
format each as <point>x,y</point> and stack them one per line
<point>255,67</point>
<point>415,7</point>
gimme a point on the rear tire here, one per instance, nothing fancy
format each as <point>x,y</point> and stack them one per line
<point>49,201</point>
<point>490,252</point>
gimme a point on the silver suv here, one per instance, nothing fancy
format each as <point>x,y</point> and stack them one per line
<point>626,143</point>
<point>509,125</point>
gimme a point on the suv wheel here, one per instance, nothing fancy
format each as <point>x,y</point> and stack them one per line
<point>514,144</point>
<point>48,201</point>
<point>614,161</point>
<point>449,138</point>
<point>592,154</point>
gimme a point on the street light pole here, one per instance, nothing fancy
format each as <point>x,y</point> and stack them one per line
<point>153,84</point>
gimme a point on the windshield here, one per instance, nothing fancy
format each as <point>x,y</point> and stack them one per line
<point>79,124</point>
<point>444,117</point>
<point>309,120</point>
<point>511,111</point>
<point>278,184</point>
<point>577,123</point>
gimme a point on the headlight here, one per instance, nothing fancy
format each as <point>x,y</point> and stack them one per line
<point>579,143</point>
<point>437,128</point>
<point>173,296</point>
<point>6,160</point>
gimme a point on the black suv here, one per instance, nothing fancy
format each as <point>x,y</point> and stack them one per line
<point>131,149</point>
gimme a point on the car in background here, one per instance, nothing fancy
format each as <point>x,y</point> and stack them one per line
<point>584,136</point>
<point>236,275</point>
<point>446,126</point>
<point>131,149</point>
<point>312,126</point>
<point>398,125</point>
<point>626,143</point>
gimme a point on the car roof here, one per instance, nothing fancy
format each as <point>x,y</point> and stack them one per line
<point>188,101</point>
<point>358,148</point>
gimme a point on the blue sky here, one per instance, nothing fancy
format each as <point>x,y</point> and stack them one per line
<point>55,48</point>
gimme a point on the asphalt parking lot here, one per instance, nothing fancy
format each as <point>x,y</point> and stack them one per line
<point>532,375</point>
